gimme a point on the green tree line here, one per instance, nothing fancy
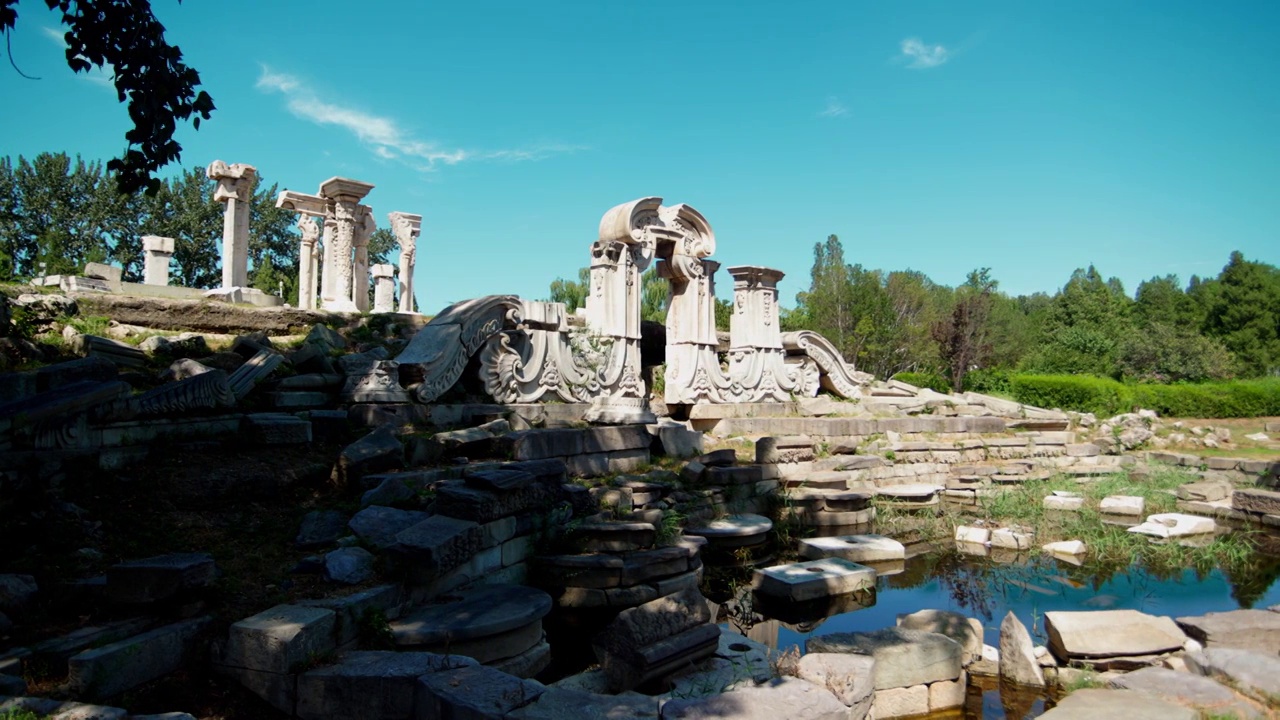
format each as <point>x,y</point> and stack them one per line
<point>58,213</point>
<point>891,322</point>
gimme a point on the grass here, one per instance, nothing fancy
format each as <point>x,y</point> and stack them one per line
<point>1022,505</point>
<point>18,714</point>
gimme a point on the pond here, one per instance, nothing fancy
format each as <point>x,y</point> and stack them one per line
<point>944,579</point>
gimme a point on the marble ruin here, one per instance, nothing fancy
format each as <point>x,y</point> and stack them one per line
<point>406,228</point>
<point>384,288</point>
<point>235,189</point>
<point>532,351</point>
<point>158,250</point>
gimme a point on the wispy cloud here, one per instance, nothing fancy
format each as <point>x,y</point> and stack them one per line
<point>834,108</point>
<point>95,75</point>
<point>384,136</point>
<point>921,56</point>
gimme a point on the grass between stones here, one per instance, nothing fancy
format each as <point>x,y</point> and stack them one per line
<point>1107,543</point>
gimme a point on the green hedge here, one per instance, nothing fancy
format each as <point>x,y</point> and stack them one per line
<point>1103,396</point>
<point>933,381</point>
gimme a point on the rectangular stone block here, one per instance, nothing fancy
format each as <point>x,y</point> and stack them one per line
<point>369,684</point>
<point>1262,502</point>
<point>112,669</point>
<point>352,611</point>
<point>440,543</point>
<point>281,639</point>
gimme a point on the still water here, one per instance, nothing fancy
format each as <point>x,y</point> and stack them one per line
<point>978,587</point>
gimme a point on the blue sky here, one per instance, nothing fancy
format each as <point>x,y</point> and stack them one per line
<point>1029,137</point>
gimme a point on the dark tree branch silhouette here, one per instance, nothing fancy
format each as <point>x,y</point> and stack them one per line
<point>148,74</point>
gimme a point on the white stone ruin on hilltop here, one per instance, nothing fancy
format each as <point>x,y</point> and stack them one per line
<point>528,351</point>
<point>343,284</point>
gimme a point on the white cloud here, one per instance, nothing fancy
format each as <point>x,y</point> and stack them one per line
<point>94,75</point>
<point>834,108</point>
<point>383,135</point>
<point>920,56</point>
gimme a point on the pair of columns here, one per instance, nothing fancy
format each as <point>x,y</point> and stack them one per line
<point>347,227</point>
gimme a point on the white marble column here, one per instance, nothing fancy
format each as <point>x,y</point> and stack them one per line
<point>326,273</point>
<point>406,228</point>
<point>345,195</point>
<point>384,288</point>
<point>158,250</point>
<point>754,323</point>
<point>365,226</point>
<point>310,229</point>
<point>235,188</point>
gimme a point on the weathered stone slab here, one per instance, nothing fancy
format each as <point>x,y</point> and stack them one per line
<point>159,578</point>
<point>378,525</point>
<point>732,526</point>
<point>456,498</point>
<point>1255,500</point>
<point>1093,704</point>
<point>1246,629</point>
<point>483,612</point>
<point>851,678</point>
<point>558,704</point>
<point>351,610</point>
<point>1058,502</point>
<point>854,548</point>
<point>791,698</point>
<point>253,371</point>
<point>474,693</point>
<point>378,451</point>
<point>440,543</point>
<point>109,670</point>
<point>1193,691</point>
<point>1110,633</point>
<point>1204,491</point>
<point>965,631</point>
<point>904,658</point>
<point>369,684</point>
<point>1122,505</point>
<point>1252,673</point>
<point>1169,525</point>
<point>813,579</point>
<point>280,639</point>
<point>656,638</point>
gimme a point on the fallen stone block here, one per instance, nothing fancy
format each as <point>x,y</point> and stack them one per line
<point>904,658</point>
<point>369,684</point>
<point>378,525</point>
<point>813,579</point>
<point>1254,500</point>
<point>1110,633</point>
<point>791,698</point>
<point>1171,525</point>
<point>109,670</point>
<point>1193,691</point>
<point>476,693</point>
<point>851,678</point>
<point>159,578</point>
<point>1245,629</point>
<point>378,451</point>
<point>1092,704</point>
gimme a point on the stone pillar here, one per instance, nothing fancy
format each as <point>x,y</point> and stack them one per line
<point>384,288</point>
<point>365,226</point>
<point>307,261</point>
<point>406,228</point>
<point>235,188</point>
<point>156,260</point>
<point>754,324</point>
<point>326,274</point>
<point>345,195</point>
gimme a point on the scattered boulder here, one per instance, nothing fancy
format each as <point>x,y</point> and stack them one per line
<point>17,592</point>
<point>349,565</point>
<point>1018,663</point>
<point>378,451</point>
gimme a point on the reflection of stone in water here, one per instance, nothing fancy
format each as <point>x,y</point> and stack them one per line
<point>765,632</point>
<point>887,567</point>
<point>1020,702</point>
<point>1008,556</point>
<point>816,609</point>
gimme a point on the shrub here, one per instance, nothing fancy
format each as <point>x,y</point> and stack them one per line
<point>1085,393</point>
<point>930,380</point>
<point>988,381</point>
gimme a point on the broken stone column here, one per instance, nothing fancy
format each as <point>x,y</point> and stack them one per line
<point>235,188</point>
<point>406,227</point>
<point>307,269</point>
<point>365,226</point>
<point>158,250</point>
<point>312,209</point>
<point>384,288</point>
<point>345,195</point>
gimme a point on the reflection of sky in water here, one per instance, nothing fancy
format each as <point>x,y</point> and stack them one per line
<point>972,586</point>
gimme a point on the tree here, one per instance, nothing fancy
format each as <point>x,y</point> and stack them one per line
<point>1162,352</point>
<point>1084,326</point>
<point>570,292</point>
<point>653,293</point>
<point>148,73</point>
<point>964,336</point>
<point>1244,313</point>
